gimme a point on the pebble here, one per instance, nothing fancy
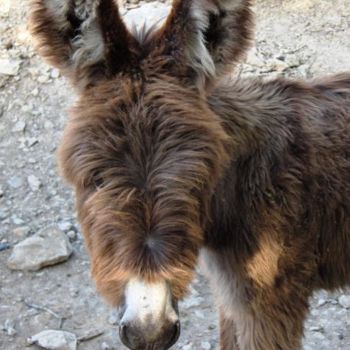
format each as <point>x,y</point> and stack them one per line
<point>31,141</point>
<point>43,79</point>
<point>9,66</point>
<point>9,328</point>
<point>205,345</point>
<point>321,302</point>
<point>4,246</point>
<point>72,235</point>
<point>54,340</point>
<point>35,92</point>
<point>55,73</point>
<point>19,126</point>
<point>65,225</point>
<point>16,220</point>
<point>48,247</point>
<point>191,302</point>
<point>34,182</point>
<point>113,320</point>
<point>344,301</point>
<point>21,232</point>
<point>3,214</point>
<point>15,182</point>
<point>105,346</point>
<point>91,334</point>
<point>317,329</point>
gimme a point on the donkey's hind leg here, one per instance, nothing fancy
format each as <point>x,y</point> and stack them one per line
<point>228,338</point>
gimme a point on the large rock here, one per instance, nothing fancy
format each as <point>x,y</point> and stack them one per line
<point>48,247</point>
<point>54,340</point>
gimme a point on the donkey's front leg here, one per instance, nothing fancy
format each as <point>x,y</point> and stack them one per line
<point>272,323</point>
<point>228,338</point>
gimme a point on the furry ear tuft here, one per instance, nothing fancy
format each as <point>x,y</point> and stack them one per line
<point>85,39</point>
<point>208,36</point>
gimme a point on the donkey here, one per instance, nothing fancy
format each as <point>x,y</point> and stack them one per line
<point>173,161</point>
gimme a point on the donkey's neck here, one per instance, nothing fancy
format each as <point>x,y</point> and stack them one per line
<point>255,113</point>
<point>263,123</point>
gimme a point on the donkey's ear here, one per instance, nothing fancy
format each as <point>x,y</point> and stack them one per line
<point>208,36</point>
<point>85,39</point>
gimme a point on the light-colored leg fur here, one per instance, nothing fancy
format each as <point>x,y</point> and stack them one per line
<point>228,338</point>
<point>254,317</point>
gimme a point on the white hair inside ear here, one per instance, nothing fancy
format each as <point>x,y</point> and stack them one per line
<point>200,58</point>
<point>89,45</point>
<point>199,55</point>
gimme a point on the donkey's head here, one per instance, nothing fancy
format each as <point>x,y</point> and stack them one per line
<point>143,149</point>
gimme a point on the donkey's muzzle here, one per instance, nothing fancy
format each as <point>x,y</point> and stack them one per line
<point>137,337</point>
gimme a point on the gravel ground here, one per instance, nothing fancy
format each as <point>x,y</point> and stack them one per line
<point>294,38</point>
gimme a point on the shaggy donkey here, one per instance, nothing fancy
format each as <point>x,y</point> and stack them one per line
<point>170,161</point>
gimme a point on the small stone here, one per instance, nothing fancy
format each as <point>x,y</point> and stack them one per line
<point>43,79</point>
<point>74,292</point>
<point>317,329</point>
<point>35,92</point>
<point>3,214</point>
<point>19,126</point>
<point>91,334</point>
<point>254,59</point>
<point>16,220</point>
<point>277,65</point>
<point>9,66</point>
<point>21,232</point>
<point>293,61</point>
<point>9,328</point>
<point>113,320</point>
<point>71,235</point>
<point>48,247</point>
<point>321,302</point>
<point>64,225</point>
<point>344,301</point>
<point>55,73</point>
<point>205,345</point>
<point>15,182</point>
<point>31,141</point>
<point>34,182</point>
<point>105,346</point>
<point>192,302</point>
<point>54,340</point>
<point>4,246</point>
<point>187,347</point>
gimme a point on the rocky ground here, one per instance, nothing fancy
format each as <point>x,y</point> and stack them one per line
<point>294,38</point>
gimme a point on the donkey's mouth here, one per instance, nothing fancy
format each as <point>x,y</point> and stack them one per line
<point>165,342</point>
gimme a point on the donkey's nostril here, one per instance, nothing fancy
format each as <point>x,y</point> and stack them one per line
<point>123,334</point>
<point>175,335</point>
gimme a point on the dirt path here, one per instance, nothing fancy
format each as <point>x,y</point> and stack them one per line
<point>294,38</point>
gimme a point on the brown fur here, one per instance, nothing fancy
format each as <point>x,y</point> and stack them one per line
<point>167,159</point>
